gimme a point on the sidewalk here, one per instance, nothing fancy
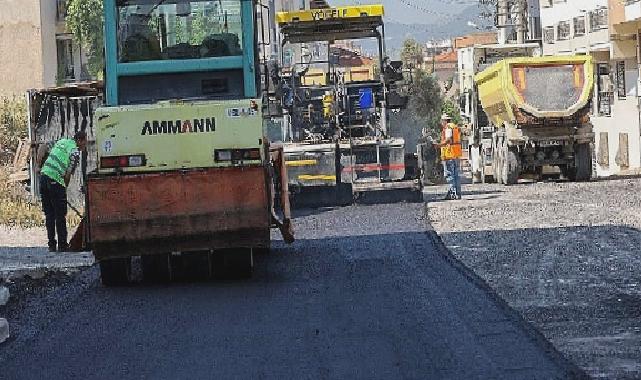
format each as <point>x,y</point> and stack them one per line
<point>24,252</point>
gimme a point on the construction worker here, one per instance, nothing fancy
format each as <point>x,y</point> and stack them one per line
<point>57,162</point>
<point>451,153</point>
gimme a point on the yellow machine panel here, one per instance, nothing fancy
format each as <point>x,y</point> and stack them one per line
<point>314,78</point>
<point>350,12</point>
<point>179,135</point>
<point>359,74</point>
<point>544,87</point>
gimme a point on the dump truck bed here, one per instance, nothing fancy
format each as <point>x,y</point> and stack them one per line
<point>541,87</point>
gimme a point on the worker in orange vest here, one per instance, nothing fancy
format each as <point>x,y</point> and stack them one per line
<point>451,153</point>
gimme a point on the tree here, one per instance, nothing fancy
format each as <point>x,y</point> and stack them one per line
<point>426,100</point>
<point>411,53</point>
<point>13,126</point>
<point>452,109</point>
<point>85,21</point>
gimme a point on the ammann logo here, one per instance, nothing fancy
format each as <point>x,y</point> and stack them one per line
<point>171,127</point>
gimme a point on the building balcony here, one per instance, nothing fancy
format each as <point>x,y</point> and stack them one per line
<point>632,10</point>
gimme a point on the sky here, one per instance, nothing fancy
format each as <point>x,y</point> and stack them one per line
<point>415,11</point>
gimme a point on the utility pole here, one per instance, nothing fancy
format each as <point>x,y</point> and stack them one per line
<point>433,57</point>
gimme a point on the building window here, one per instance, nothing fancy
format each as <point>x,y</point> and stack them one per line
<point>598,19</point>
<point>61,10</point>
<point>66,70</point>
<point>563,30</point>
<point>534,28</point>
<point>621,84</point>
<point>579,26</point>
<point>548,35</point>
<point>605,90</point>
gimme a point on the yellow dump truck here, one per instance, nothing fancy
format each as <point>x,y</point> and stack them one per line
<point>539,107</point>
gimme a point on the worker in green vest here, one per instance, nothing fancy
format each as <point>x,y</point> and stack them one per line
<point>57,162</point>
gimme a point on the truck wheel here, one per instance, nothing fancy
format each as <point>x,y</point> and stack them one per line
<point>511,168</point>
<point>192,266</point>
<point>115,272</point>
<point>497,164</point>
<point>155,268</point>
<point>344,194</point>
<point>242,263</point>
<point>582,170</point>
<point>233,263</point>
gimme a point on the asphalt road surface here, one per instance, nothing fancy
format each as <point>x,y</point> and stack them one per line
<point>365,293</point>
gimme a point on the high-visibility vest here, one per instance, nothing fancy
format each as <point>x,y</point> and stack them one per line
<point>452,151</point>
<point>59,159</point>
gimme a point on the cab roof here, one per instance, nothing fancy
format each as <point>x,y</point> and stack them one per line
<point>330,24</point>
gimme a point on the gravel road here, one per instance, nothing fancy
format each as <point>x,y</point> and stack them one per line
<point>366,292</point>
<point>565,255</point>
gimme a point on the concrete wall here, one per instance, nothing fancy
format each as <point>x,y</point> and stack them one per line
<point>21,62</point>
<point>617,140</point>
<point>48,10</point>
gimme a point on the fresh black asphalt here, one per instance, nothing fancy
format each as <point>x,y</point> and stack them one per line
<point>366,292</point>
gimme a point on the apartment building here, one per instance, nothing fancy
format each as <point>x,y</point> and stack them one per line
<point>583,27</point>
<point>36,49</point>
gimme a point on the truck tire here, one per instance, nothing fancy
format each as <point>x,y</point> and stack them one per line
<point>497,161</point>
<point>582,170</point>
<point>155,268</point>
<point>115,272</point>
<point>232,263</point>
<point>344,194</point>
<point>484,177</point>
<point>192,266</point>
<point>511,167</point>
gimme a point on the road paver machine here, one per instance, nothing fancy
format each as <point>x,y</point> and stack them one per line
<point>337,139</point>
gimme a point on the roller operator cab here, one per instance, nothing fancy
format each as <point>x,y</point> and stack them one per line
<point>184,177</point>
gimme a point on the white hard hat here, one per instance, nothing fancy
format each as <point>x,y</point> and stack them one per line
<point>446,117</point>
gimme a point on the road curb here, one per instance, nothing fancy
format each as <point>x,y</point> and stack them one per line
<point>573,370</point>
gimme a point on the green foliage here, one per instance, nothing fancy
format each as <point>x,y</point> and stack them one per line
<point>449,83</point>
<point>426,100</point>
<point>452,109</point>
<point>85,21</point>
<point>202,26</point>
<point>13,126</point>
<point>411,53</point>
<point>16,210</point>
<point>60,75</point>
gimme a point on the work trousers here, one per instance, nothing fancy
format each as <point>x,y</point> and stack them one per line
<point>54,205</point>
<point>451,169</point>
